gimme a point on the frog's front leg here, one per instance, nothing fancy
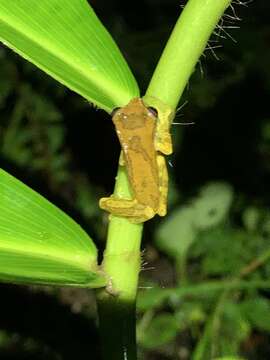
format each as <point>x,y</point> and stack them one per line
<point>129,209</point>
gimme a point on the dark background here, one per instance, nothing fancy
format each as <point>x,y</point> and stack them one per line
<point>68,151</point>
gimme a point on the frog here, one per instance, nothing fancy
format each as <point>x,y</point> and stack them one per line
<point>145,140</point>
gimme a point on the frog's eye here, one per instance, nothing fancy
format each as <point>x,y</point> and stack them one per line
<point>153,111</point>
<point>114,111</point>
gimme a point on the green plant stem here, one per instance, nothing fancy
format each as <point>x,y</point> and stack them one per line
<point>217,286</point>
<point>117,303</point>
<point>186,44</point>
<point>181,270</point>
<point>121,260</point>
<point>213,321</point>
<point>257,262</point>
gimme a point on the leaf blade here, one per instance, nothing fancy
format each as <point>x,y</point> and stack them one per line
<point>41,244</point>
<point>66,39</point>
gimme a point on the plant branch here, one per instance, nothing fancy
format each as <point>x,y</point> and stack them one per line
<point>121,260</point>
<point>184,48</point>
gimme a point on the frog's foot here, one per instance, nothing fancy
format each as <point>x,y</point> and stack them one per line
<point>130,209</point>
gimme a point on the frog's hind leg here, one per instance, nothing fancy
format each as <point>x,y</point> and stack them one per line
<point>130,209</point>
<point>163,185</point>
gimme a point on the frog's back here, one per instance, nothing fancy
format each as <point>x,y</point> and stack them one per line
<point>135,126</point>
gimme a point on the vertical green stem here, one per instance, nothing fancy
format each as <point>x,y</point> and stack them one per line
<point>181,270</point>
<point>122,255</point>
<point>117,304</point>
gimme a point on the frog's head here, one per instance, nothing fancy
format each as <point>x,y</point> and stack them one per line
<point>135,114</point>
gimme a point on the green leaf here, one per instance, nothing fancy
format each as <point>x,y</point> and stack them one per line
<point>179,231</point>
<point>225,250</point>
<point>212,205</point>
<point>257,311</point>
<point>66,40</point>
<point>161,330</point>
<point>176,233</point>
<point>234,329</point>
<point>251,216</point>
<point>41,244</point>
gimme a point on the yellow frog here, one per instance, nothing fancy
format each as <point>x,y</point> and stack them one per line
<point>144,140</point>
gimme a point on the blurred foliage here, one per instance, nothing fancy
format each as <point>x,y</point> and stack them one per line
<point>216,243</point>
<point>209,291</point>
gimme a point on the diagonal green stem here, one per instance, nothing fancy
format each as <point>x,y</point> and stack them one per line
<point>184,48</point>
<point>122,255</point>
